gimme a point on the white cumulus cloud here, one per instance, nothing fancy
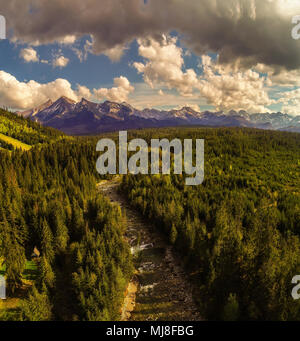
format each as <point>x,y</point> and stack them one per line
<point>164,65</point>
<point>29,55</point>
<point>290,102</point>
<point>119,93</point>
<point>115,53</point>
<point>60,62</point>
<point>26,95</point>
<point>226,89</point>
<point>223,87</point>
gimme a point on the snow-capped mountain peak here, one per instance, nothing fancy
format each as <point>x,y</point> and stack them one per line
<point>88,117</point>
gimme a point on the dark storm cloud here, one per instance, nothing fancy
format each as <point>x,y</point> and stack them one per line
<point>249,31</point>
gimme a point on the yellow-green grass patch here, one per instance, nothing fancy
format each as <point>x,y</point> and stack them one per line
<point>14,142</point>
<point>10,308</point>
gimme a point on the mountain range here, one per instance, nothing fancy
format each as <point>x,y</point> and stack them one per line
<point>85,117</point>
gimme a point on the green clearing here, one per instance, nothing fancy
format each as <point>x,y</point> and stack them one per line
<point>30,273</point>
<point>10,308</point>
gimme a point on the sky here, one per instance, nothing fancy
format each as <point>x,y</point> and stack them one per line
<point>217,55</point>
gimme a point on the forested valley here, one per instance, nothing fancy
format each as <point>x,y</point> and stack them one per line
<point>237,233</point>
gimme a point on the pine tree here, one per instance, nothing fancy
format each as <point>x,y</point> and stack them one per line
<point>47,242</point>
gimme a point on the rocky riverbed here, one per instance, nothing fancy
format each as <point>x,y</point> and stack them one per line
<point>159,290</point>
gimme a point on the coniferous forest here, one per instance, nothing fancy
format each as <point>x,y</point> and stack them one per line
<point>237,233</point>
<point>49,202</point>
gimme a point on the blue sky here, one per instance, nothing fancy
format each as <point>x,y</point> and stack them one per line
<point>218,57</point>
<point>104,70</point>
<point>94,71</point>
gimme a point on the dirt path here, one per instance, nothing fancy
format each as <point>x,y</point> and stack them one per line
<point>160,290</point>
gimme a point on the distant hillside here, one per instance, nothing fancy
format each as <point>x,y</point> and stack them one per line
<point>17,132</point>
<point>292,129</point>
<point>86,117</point>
